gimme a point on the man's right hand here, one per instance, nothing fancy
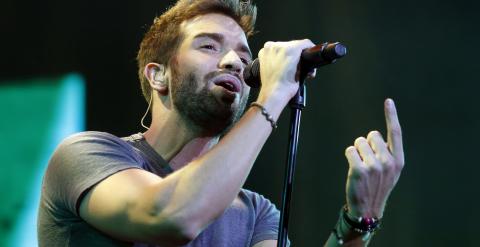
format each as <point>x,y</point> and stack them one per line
<point>279,69</point>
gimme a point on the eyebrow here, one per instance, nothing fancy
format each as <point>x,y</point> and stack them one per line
<point>219,38</point>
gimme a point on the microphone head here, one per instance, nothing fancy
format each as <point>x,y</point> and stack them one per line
<point>341,50</point>
<point>333,51</point>
<point>251,74</point>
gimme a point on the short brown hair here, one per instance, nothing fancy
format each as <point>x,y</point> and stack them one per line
<point>161,41</point>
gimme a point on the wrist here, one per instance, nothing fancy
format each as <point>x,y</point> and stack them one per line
<point>265,113</point>
<point>373,212</point>
<point>274,102</point>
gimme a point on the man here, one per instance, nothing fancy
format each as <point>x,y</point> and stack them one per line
<point>179,183</point>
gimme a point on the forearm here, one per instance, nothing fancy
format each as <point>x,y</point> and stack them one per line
<point>202,190</point>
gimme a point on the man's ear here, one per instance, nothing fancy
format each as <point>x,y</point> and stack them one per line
<point>156,75</point>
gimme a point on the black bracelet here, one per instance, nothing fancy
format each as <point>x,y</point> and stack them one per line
<point>266,114</point>
<point>360,224</point>
<point>365,226</point>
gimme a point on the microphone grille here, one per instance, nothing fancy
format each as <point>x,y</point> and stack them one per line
<point>333,51</point>
<point>251,74</point>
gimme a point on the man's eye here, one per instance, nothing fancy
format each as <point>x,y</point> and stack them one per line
<point>208,47</point>
<point>245,61</point>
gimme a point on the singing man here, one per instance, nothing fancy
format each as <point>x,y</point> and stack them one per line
<point>180,182</point>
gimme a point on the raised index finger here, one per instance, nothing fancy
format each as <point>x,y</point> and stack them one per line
<point>394,131</point>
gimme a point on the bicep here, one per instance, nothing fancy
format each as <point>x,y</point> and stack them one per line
<point>266,243</point>
<point>118,206</point>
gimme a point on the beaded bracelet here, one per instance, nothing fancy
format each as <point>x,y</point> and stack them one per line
<point>360,224</point>
<point>365,226</point>
<point>266,114</point>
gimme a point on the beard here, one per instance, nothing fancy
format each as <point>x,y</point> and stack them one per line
<point>200,108</point>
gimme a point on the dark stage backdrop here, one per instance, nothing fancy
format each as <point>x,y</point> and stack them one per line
<point>421,53</point>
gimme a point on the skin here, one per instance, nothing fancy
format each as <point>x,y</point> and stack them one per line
<point>375,166</point>
<point>135,205</point>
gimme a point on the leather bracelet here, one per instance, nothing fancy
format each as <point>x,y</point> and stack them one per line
<point>360,224</point>
<point>365,226</point>
<point>266,114</point>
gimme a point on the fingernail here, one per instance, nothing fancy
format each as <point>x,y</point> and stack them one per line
<point>389,102</point>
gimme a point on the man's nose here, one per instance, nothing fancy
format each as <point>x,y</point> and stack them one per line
<point>232,62</point>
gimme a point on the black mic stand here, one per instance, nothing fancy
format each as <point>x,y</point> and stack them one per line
<point>297,103</point>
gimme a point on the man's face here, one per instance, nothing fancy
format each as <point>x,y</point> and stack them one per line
<point>207,73</point>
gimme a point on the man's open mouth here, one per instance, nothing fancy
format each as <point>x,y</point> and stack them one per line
<point>229,86</point>
<point>229,82</point>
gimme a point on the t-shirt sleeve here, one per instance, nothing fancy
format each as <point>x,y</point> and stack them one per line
<point>80,162</point>
<point>266,221</point>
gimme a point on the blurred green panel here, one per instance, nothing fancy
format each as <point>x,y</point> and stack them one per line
<point>35,115</point>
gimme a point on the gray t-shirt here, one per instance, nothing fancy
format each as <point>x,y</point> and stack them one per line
<point>83,160</point>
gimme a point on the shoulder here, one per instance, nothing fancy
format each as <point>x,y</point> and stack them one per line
<point>258,201</point>
<point>92,136</point>
<point>92,142</point>
<point>90,152</point>
<point>83,160</point>
<point>253,196</point>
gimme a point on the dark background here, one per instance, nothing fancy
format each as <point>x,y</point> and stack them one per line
<point>421,53</point>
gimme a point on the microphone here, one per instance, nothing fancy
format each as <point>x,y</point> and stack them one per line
<point>310,58</point>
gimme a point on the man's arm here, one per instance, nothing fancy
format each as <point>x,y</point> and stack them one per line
<point>135,205</point>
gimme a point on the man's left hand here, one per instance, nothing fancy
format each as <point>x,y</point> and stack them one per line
<point>375,167</point>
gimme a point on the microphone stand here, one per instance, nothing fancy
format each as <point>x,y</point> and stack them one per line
<point>311,58</point>
<point>297,104</point>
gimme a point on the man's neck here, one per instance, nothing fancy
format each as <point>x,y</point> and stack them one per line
<point>176,142</point>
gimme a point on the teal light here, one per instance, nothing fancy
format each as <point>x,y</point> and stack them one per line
<point>35,116</point>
